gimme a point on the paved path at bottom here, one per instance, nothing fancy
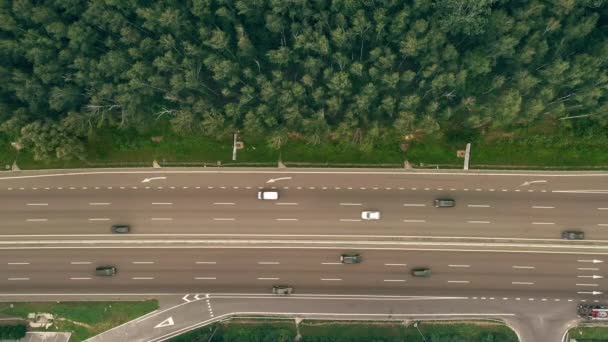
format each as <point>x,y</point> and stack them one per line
<point>532,321</point>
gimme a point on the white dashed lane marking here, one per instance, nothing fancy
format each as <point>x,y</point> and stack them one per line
<point>161,219</point>
<point>223,219</point>
<point>205,278</point>
<point>350,220</point>
<point>351,204</point>
<point>37,204</point>
<point>17,263</point>
<point>414,221</point>
<point>414,205</point>
<point>37,220</point>
<point>99,203</point>
<point>286,203</point>
<point>478,205</point>
<point>542,207</point>
<point>223,203</point>
<point>99,219</point>
<point>205,262</point>
<point>523,267</point>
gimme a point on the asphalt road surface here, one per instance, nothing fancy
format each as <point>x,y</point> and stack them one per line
<point>55,230</point>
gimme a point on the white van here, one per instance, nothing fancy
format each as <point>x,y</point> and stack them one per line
<point>269,195</point>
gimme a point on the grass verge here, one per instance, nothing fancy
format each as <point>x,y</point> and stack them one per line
<point>82,319</point>
<point>582,334</point>
<point>531,148</point>
<point>248,330</point>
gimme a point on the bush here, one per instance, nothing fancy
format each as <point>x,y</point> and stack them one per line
<point>12,332</point>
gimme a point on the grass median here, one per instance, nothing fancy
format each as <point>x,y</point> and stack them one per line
<point>285,330</point>
<point>82,319</point>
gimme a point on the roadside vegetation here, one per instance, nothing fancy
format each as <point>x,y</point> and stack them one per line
<point>244,330</point>
<point>82,319</point>
<point>589,334</point>
<point>89,83</point>
<point>12,331</point>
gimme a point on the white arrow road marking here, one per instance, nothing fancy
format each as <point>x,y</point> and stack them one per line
<point>591,276</point>
<point>148,180</point>
<point>533,182</point>
<point>595,261</point>
<point>165,323</point>
<point>272,180</point>
<point>185,298</point>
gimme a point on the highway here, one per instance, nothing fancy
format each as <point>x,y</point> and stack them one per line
<point>204,231</point>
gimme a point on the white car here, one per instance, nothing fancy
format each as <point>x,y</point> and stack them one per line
<point>268,195</point>
<point>370,215</point>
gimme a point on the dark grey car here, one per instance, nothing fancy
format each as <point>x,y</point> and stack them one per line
<point>105,271</point>
<point>421,272</point>
<point>350,258</point>
<point>444,203</point>
<point>573,235</point>
<point>282,289</point>
<point>121,229</point>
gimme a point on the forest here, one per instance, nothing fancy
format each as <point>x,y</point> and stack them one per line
<point>316,71</point>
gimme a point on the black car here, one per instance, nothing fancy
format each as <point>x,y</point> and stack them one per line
<point>573,235</point>
<point>120,229</point>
